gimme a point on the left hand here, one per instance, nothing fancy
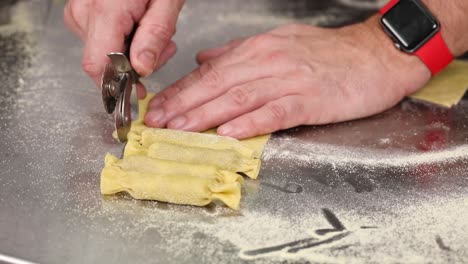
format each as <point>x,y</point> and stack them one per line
<point>293,75</point>
<point>103,26</point>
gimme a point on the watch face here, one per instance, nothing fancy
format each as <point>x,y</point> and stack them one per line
<point>410,24</point>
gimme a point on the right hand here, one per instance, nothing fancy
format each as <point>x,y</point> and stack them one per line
<point>103,25</point>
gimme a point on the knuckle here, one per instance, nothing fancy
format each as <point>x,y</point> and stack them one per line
<point>276,56</point>
<point>176,88</point>
<point>125,21</point>
<point>299,112</point>
<point>72,11</point>
<point>157,100</point>
<point>305,67</point>
<point>204,119</point>
<point>238,95</point>
<point>295,27</point>
<point>71,7</point>
<point>68,17</point>
<point>98,6</point>
<point>171,91</point>
<point>76,13</point>
<point>161,31</point>
<point>210,75</point>
<point>277,112</point>
<point>91,68</point>
<point>67,11</point>
<point>250,124</point>
<point>234,42</point>
<point>205,68</point>
<point>163,97</point>
<point>262,41</point>
<point>176,103</point>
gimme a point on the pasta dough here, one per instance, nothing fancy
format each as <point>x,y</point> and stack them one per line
<point>181,167</point>
<point>168,181</point>
<point>447,88</point>
<point>225,160</point>
<point>195,148</point>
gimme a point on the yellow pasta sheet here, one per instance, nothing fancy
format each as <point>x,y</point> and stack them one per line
<point>168,181</point>
<point>448,87</point>
<point>195,148</point>
<point>181,167</point>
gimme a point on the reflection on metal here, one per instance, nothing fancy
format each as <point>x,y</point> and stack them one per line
<point>441,244</point>
<point>55,135</point>
<point>288,188</point>
<point>12,260</point>
<point>333,220</point>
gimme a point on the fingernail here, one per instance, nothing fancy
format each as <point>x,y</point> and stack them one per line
<point>178,122</point>
<point>156,116</point>
<point>225,130</point>
<point>148,59</point>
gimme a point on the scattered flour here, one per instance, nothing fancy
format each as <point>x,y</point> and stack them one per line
<point>410,226</point>
<point>298,151</point>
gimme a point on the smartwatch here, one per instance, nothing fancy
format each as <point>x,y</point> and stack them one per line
<point>414,30</point>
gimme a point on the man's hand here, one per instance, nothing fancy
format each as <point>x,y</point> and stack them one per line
<point>103,26</point>
<point>293,75</point>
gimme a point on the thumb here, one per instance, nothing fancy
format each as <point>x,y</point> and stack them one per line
<point>154,34</point>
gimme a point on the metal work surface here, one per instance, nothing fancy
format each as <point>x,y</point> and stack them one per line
<point>386,189</point>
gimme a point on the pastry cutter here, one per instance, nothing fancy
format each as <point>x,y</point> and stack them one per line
<point>118,81</point>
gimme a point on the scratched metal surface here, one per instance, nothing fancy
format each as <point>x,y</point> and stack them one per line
<point>375,190</point>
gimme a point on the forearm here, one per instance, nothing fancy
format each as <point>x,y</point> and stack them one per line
<point>454,22</point>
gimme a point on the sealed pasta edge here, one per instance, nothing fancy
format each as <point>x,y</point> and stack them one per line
<point>134,147</point>
<point>229,177</point>
<point>109,183</point>
<point>229,194</point>
<point>251,168</point>
<point>164,135</point>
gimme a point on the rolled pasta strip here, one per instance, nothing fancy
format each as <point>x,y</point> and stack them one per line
<point>133,146</point>
<point>228,159</point>
<point>153,179</point>
<point>191,139</point>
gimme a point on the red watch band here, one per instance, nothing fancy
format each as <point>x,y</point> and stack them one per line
<point>434,53</point>
<point>388,6</point>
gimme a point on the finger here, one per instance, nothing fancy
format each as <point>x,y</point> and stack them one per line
<point>75,15</point>
<point>167,54</point>
<point>283,113</point>
<point>153,35</point>
<point>141,90</point>
<point>173,89</point>
<point>106,33</point>
<point>209,54</point>
<point>206,83</point>
<point>234,56</point>
<point>237,101</point>
<point>195,76</point>
<point>70,21</point>
<point>213,82</point>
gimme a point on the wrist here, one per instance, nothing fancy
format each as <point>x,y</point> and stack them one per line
<point>452,17</point>
<point>399,64</point>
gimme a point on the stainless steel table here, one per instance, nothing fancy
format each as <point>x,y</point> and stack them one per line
<point>385,189</point>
